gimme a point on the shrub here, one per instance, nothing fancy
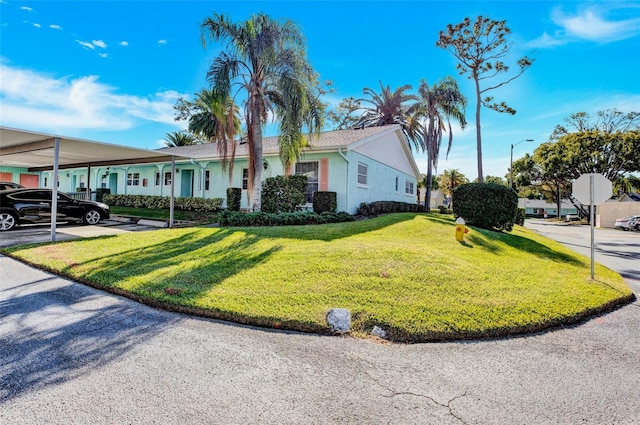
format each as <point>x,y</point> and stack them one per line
<point>520,217</point>
<point>284,193</point>
<point>444,210</point>
<point>234,197</point>
<point>325,202</point>
<point>163,202</point>
<point>486,205</point>
<point>242,219</point>
<point>385,207</point>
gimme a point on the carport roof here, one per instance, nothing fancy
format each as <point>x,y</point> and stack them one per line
<point>36,151</point>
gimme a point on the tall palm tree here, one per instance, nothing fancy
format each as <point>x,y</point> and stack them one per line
<point>436,107</point>
<point>267,61</point>
<point>215,118</point>
<point>390,107</point>
<point>179,138</point>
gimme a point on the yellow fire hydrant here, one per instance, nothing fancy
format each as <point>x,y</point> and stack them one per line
<point>460,229</point>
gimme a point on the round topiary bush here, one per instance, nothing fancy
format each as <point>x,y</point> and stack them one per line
<point>486,205</point>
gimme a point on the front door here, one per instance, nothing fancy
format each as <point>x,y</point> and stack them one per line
<point>186,183</point>
<point>113,183</point>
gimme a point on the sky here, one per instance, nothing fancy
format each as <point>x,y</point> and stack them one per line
<point>111,71</point>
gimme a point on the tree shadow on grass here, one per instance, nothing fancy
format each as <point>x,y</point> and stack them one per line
<point>493,242</point>
<point>64,333</point>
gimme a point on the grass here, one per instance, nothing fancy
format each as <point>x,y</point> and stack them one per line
<point>403,272</point>
<point>199,217</point>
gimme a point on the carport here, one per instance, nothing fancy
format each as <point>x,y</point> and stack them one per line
<point>45,152</point>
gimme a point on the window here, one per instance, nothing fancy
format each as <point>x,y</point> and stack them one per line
<point>207,176</point>
<point>133,179</point>
<point>408,187</point>
<point>245,178</point>
<point>362,173</point>
<point>397,182</point>
<point>82,181</point>
<point>157,179</point>
<point>46,181</point>
<point>309,169</point>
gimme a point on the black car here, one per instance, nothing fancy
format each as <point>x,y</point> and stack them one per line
<point>27,206</point>
<point>10,185</point>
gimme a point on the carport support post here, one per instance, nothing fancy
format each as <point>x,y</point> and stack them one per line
<point>173,182</point>
<point>54,189</point>
<point>591,220</point>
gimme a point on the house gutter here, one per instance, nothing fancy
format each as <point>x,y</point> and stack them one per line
<point>346,191</point>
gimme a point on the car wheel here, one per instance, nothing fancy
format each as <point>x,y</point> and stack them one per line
<point>8,221</point>
<point>91,217</point>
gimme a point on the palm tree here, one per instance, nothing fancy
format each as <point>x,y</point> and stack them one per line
<point>450,179</point>
<point>179,138</point>
<point>434,110</point>
<point>267,60</point>
<point>390,107</point>
<point>215,118</point>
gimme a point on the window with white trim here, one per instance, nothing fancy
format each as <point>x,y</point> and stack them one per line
<point>362,173</point>
<point>311,170</point>
<point>245,178</point>
<point>397,183</point>
<point>133,179</point>
<point>408,187</point>
<point>167,178</point>
<point>207,177</point>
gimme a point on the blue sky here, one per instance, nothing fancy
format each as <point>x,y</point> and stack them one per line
<point>111,71</point>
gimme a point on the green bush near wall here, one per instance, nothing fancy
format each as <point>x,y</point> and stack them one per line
<point>284,193</point>
<point>164,202</point>
<point>234,198</point>
<point>242,219</point>
<point>325,202</point>
<point>386,207</point>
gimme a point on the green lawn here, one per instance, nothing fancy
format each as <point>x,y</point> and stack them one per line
<point>403,272</point>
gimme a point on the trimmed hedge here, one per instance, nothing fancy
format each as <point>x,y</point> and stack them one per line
<point>486,205</point>
<point>234,198</point>
<point>386,207</point>
<point>325,201</point>
<point>241,219</point>
<point>284,193</point>
<point>164,202</point>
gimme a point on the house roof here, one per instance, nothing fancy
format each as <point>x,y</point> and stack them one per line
<point>541,203</point>
<point>329,140</point>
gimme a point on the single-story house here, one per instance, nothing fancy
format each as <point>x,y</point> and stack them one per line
<point>437,198</point>
<point>360,165</point>
<point>542,208</point>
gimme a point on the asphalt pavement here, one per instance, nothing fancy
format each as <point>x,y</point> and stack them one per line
<point>70,354</point>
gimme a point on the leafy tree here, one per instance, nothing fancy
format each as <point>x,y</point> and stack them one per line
<point>179,138</point>
<point>480,48</point>
<point>343,116</point>
<point>266,59</point>
<point>435,108</point>
<point>608,121</point>
<point>390,107</point>
<point>213,118</point>
<point>496,180</point>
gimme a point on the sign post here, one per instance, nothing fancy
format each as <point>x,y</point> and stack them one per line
<point>592,189</point>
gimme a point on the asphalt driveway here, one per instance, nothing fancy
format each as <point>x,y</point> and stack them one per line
<point>70,354</point>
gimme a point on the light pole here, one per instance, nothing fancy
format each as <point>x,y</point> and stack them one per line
<point>511,163</point>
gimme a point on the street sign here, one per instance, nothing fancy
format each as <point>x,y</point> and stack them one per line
<point>602,189</point>
<point>592,189</point>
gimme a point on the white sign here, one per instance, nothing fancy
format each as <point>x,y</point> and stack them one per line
<point>602,189</point>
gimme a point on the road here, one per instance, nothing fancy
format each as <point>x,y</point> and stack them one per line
<point>74,355</point>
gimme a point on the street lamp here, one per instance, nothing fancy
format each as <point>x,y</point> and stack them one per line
<point>511,163</point>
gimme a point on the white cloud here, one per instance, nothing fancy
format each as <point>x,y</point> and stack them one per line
<point>41,102</point>
<point>27,8</point>
<point>55,27</point>
<point>99,43</point>
<point>124,43</point>
<point>162,42</point>
<point>86,45</point>
<point>37,25</point>
<point>103,55</point>
<point>589,24</point>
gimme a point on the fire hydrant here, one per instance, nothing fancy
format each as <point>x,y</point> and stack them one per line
<point>460,229</point>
